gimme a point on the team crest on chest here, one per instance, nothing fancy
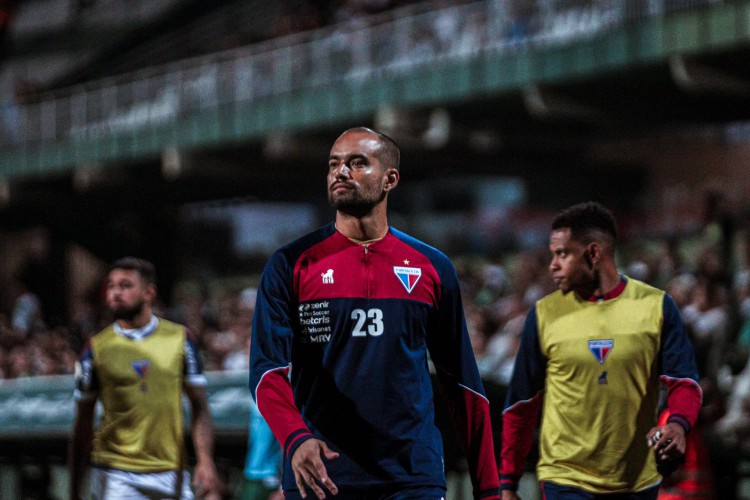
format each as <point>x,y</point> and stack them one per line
<point>141,367</point>
<point>601,349</point>
<point>408,276</point>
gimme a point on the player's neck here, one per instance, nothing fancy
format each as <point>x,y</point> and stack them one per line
<point>605,284</point>
<point>142,319</point>
<point>609,279</point>
<point>361,229</point>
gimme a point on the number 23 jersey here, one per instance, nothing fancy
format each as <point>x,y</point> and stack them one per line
<point>350,325</point>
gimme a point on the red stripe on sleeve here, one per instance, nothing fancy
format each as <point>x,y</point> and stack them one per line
<point>519,422</point>
<point>276,403</point>
<point>684,398</point>
<point>474,429</point>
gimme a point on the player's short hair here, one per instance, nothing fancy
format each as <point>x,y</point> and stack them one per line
<point>586,219</point>
<point>390,154</point>
<point>145,269</point>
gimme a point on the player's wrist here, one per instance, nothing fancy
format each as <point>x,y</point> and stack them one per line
<point>509,483</point>
<point>679,422</point>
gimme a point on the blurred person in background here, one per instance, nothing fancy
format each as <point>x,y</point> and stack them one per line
<point>27,317</point>
<point>729,437</point>
<point>231,334</point>
<point>707,319</point>
<point>741,291</point>
<point>680,287</point>
<point>190,307</point>
<point>238,358</point>
<point>139,367</point>
<point>592,357</point>
<point>261,477</point>
<point>18,361</point>
<point>349,312</point>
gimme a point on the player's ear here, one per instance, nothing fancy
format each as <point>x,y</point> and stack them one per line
<point>593,253</point>
<point>392,176</point>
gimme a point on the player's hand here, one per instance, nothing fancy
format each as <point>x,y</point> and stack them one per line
<point>668,441</point>
<point>276,495</point>
<point>509,495</point>
<point>309,471</point>
<point>206,482</point>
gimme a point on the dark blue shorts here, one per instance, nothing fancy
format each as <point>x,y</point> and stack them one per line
<point>412,493</point>
<point>552,491</point>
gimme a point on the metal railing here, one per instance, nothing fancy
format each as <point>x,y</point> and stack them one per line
<point>396,43</point>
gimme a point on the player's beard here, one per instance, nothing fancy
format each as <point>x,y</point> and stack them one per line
<point>127,313</point>
<point>356,202</point>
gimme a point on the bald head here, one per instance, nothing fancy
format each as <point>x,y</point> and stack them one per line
<point>388,151</point>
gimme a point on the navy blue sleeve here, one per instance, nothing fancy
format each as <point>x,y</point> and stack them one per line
<point>522,405</point>
<point>271,351</point>
<point>453,357</point>
<point>271,341</point>
<point>530,368</point>
<point>679,370</point>
<point>448,341</point>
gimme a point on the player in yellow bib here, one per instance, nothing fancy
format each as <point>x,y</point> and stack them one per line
<point>593,355</point>
<point>138,367</point>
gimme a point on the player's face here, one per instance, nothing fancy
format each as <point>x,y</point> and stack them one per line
<point>127,294</point>
<point>356,178</point>
<point>570,266</point>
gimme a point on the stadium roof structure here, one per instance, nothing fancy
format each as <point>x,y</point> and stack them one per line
<point>473,87</point>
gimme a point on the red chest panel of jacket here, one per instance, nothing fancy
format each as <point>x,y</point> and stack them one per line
<point>385,269</point>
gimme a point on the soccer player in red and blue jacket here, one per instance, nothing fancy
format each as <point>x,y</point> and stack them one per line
<point>344,320</point>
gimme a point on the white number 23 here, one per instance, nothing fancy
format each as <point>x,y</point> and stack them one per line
<point>370,321</point>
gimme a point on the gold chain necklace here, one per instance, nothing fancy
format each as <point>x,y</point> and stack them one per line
<point>360,242</point>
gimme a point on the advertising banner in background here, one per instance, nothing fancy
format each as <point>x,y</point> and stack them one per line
<point>44,406</point>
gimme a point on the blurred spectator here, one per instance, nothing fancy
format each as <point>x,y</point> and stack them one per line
<point>728,438</point>
<point>669,262</point>
<point>18,362</point>
<point>261,476</point>
<point>734,426</point>
<point>239,357</point>
<point>231,333</point>
<point>720,225</point>
<point>680,287</point>
<point>190,308</point>
<point>58,344</point>
<point>39,358</point>
<point>27,317</point>
<point>501,350</point>
<point>86,319</point>
<point>639,270</point>
<point>707,321</point>
<point>741,289</point>
<point>475,323</point>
